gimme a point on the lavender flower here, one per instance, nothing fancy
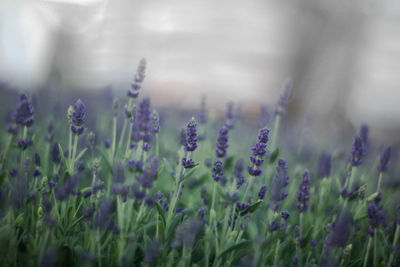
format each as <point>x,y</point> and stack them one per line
<point>104,213</point>
<point>152,252</point>
<point>142,127</point>
<point>24,143</point>
<point>238,173</point>
<point>149,175</point>
<point>324,165</point>
<point>36,157</point>
<point>222,142</point>
<point>78,117</point>
<point>186,233</point>
<point>259,151</point>
<point>23,114</point>
<point>202,114</point>
<point>107,143</point>
<point>284,98</point>
<point>340,231</point>
<point>285,214</point>
<point>118,173</point>
<point>384,159</point>
<point>218,171</point>
<point>203,194</point>
<point>191,136</point>
<point>303,195</point>
<point>12,128</point>
<point>280,181</point>
<point>187,163</point>
<point>265,116</point>
<point>230,116</point>
<point>13,172</point>
<point>357,152</point>
<point>55,153</point>
<point>364,131</point>
<point>138,79</point>
<point>261,193</point>
<point>375,215</point>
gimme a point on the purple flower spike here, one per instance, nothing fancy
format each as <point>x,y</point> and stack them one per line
<point>357,152</point>
<point>187,163</point>
<point>384,160</point>
<point>259,151</point>
<point>218,171</point>
<point>230,116</point>
<point>202,114</point>
<point>261,193</point>
<point>375,215</point>
<point>280,181</point>
<point>284,99</point>
<point>78,117</point>
<point>24,111</point>
<point>324,165</point>
<point>55,153</point>
<point>222,142</point>
<point>340,231</point>
<point>303,195</point>
<point>191,136</point>
<point>138,80</point>
<point>142,128</point>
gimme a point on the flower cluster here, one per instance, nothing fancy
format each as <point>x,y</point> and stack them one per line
<point>218,171</point>
<point>324,165</point>
<point>23,114</point>
<point>143,126</point>
<point>222,142</point>
<point>284,98</point>
<point>357,152</point>
<point>77,117</point>
<point>191,136</point>
<point>138,79</point>
<point>384,159</point>
<point>259,151</point>
<point>280,181</point>
<point>303,195</point>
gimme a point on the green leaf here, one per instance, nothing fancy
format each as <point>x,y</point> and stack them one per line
<point>307,237</point>
<point>3,176</point>
<point>228,164</point>
<point>161,212</point>
<point>174,223</point>
<point>105,159</point>
<point>81,154</point>
<point>61,151</point>
<point>252,207</point>
<point>234,247</point>
<point>187,175</point>
<point>190,166</point>
<point>274,155</point>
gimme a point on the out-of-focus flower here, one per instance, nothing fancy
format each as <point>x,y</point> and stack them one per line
<point>284,98</point>
<point>384,159</point>
<point>222,142</point>
<point>357,152</point>
<point>280,181</point>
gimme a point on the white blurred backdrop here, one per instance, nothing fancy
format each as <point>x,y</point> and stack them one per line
<point>343,56</point>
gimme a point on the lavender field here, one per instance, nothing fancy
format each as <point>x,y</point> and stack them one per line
<point>106,181</point>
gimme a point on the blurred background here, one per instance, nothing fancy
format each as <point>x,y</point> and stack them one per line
<point>343,56</point>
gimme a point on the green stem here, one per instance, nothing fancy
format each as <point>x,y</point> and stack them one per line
<point>114,138</point>
<point>212,203</point>
<point>275,132</point>
<point>379,182</point>
<point>375,250</point>
<point>247,188</point>
<point>396,238</point>
<point>367,252</point>
<point>276,257</point>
